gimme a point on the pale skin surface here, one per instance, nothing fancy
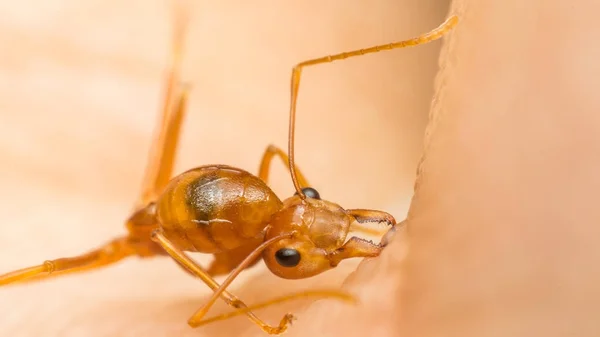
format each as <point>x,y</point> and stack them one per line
<point>502,230</point>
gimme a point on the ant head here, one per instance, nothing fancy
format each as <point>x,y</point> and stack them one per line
<point>315,230</point>
<point>319,230</point>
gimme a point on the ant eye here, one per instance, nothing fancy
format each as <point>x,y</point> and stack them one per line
<point>287,257</point>
<point>311,193</point>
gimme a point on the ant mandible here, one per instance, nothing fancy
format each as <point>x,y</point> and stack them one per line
<point>232,214</point>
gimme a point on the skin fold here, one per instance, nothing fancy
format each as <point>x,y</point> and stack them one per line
<point>501,228</point>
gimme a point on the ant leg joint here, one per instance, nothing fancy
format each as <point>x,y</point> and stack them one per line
<point>50,266</point>
<point>237,304</point>
<point>154,235</point>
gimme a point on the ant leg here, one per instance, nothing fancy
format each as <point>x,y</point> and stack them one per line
<point>164,146</point>
<point>137,242</point>
<point>283,324</point>
<point>265,164</point>
<point>110,253</point>
<point>197,319</point>
<point>194,268</point>
<point>163,153</point>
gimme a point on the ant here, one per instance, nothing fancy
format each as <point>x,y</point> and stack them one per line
<point>233,214</point>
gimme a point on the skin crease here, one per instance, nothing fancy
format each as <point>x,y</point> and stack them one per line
<point>502,227</point>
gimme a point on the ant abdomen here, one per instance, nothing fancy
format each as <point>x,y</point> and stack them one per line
<point>215,208</point>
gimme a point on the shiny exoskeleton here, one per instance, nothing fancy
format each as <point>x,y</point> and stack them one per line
<point>212,209</point>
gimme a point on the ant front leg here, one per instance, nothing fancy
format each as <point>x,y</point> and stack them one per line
<point>198,319</point>
<point>265,164</point>
<point>231,300</point>
<point>240,308</point>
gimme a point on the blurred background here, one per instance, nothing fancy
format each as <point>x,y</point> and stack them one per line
<point>80,90</point>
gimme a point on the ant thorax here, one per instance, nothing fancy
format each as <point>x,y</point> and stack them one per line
<point>324,222</point>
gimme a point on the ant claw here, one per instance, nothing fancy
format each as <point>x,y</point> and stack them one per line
<point>290,318</point>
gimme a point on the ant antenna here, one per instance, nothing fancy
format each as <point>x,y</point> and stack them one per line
<point>433,35</point>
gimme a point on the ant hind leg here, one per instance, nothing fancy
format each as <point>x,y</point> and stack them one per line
<point>110,253</point>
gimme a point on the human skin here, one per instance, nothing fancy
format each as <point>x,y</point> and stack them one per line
<point>501,234</point>
<point>501,231</point>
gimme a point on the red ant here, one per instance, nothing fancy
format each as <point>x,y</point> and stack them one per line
<point>232,214</point>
